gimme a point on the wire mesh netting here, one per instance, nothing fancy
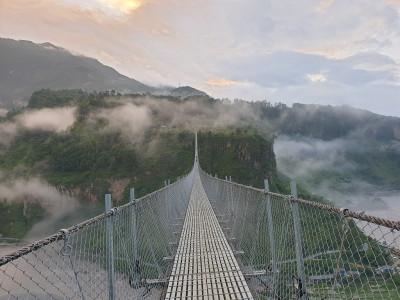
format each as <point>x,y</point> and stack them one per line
<point>289,248</point>
<point>124,253</point>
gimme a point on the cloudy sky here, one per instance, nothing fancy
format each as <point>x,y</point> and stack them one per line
<point>310,51</point>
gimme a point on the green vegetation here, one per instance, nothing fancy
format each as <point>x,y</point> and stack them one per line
<point>82,160</point>
<point>17,218</point>
<point>243,153</point>
<point>91,154</point>
<point>48,98</point>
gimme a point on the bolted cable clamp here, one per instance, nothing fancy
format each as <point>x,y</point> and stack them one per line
<point>346,225</point>
<point>114,210</point>
<point>67,248</point>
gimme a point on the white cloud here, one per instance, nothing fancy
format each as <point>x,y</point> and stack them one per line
<point>274,47</point>
<point>128,117</point>
<point>317,77</point>
<point>48,119</point>
<point>221,82</point>
<point>114,8</point>
<point>3,112</point>
<point>38,191</point>
<point>324,5</point>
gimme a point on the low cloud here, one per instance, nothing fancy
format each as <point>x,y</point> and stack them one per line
<point>323,169</point>
<point>196,116</point>
<point>145,112</point>
<point>48,119</point>
<point>38,191</point>
<point>3,112</point>
<point>311,155</point>
<point>393,146</point>
<point>129,117</point>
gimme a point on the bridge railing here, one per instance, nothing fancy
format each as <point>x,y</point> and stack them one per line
<point>290,248</point>
<point>124,253</point>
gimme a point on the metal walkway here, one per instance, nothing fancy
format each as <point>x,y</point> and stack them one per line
<point>204,266</point>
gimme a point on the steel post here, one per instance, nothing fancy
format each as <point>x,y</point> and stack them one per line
<point>301,280</point>
<point>110,250</point>
<point>136,263</point>
<point>271,237</point>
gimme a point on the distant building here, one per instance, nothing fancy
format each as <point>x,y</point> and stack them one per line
<point>384,269</point>
<point>321,278</point>
<point>164,127</point>
<point>340,271</point>
<point>353,274</point>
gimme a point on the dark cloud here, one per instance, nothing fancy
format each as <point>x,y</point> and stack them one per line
<point>370,58</point>
<point>285,68</point>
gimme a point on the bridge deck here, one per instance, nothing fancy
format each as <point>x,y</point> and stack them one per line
<point>204,266</point>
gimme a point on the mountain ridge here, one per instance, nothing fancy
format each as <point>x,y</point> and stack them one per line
<point>26,66</point>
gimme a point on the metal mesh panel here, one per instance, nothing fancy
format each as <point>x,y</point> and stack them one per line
<point>124,253</point>
<point>289,248</point>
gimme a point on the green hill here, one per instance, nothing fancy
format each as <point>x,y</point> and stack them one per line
<point>114,143</point>
<point>87,144</point>
<point>186,91</point>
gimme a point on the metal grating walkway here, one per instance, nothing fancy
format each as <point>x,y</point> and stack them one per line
<point>204,266</point>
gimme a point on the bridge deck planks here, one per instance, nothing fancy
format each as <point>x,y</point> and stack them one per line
<point>204,266</point>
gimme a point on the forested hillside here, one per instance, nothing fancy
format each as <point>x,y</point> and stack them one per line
<point>75,146</point>
<point>81,145</point>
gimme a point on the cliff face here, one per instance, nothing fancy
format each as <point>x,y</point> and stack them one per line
<point>244,154</point>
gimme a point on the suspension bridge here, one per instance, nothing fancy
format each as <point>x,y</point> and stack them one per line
<point>206,238</point>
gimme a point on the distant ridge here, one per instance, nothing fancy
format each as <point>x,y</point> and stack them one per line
<point>26,66</point>
<point>186,91</point>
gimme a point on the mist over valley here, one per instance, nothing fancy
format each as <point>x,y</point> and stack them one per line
<point>62,149</point>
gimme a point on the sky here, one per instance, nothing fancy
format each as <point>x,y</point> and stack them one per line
<point>332,52</point>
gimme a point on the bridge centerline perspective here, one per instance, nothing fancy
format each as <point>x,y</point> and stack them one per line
<point>204,266</point>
